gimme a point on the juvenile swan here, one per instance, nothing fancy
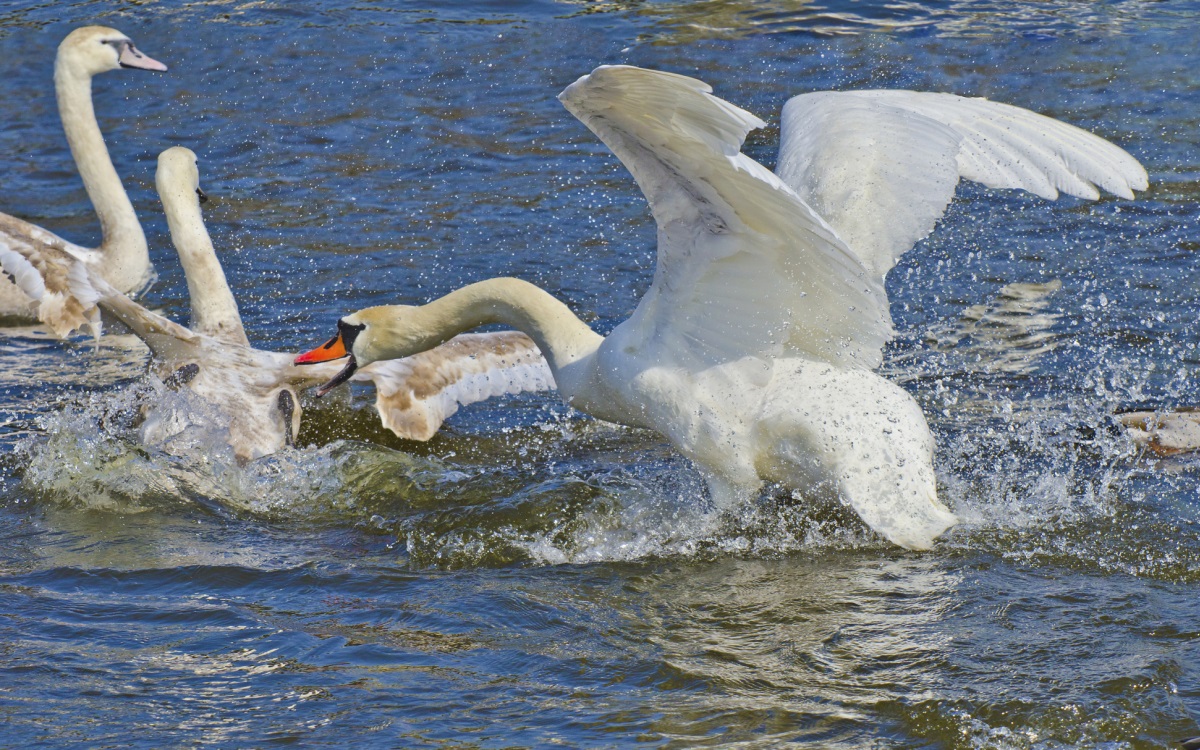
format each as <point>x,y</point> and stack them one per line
<point>121,259</point>
<point>255,391</point>
<point>753,349</point>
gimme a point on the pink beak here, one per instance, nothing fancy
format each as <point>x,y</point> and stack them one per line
<point>132,58</point>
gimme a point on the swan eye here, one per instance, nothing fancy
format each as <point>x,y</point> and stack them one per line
<point>118,46</point>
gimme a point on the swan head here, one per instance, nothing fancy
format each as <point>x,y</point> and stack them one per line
<point>178,175</point>
<point>92,50</point>
<point>370,335</point>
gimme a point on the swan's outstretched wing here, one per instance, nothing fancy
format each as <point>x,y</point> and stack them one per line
<point>745,266</point>
<point>57,282</point>
<point>881,166</point>
<point>68,295</point>
<point>416,394</point>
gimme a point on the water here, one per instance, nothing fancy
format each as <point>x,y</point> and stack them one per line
<point>531,577</point>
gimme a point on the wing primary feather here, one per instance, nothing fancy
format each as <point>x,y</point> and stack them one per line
<point>69,294</point>
<point>881,166</point>
<point>21,272</point>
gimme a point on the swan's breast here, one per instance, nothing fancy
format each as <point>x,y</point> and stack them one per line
<point>224,395</point>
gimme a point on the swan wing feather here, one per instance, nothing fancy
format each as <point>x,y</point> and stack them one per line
<point>416,394</point>
<point>59,284</point>
<point>882,166</point>
<point>745,267</point>
<point>69,294</point>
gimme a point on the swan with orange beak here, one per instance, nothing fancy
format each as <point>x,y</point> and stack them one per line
<point>253,392</point>
<point>753,350</point>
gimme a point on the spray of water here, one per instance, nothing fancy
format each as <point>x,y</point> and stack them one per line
<point>1032,475</point>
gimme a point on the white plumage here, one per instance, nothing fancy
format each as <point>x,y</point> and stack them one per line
<point>882,166</point>
<point>753,348</point>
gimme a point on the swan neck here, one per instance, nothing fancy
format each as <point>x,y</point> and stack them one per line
<point>214,309</point>
<point>123,242</point>
<point>561,336</point>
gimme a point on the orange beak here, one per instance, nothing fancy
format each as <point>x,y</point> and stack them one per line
<point>334,348</point>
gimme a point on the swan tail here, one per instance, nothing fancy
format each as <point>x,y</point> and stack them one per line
<point>865,436</point>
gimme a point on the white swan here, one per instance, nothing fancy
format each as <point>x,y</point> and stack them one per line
<point>753,348</point>
<point>254,391</point>
<point>122,258</point>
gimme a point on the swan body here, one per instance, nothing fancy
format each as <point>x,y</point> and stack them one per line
<point>753,349</point>
<point>254,393</point>
<point>122,258</point>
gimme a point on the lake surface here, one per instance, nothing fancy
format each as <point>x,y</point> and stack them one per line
<point>532,577</point>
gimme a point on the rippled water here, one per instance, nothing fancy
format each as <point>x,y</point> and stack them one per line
<point>532,577</point>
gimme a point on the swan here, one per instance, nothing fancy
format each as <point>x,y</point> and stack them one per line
<point>1164,433</point>
<point>122,258</point>
<point>255,392</point>
<point>753,350</point>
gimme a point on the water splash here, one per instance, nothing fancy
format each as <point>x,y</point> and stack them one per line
<point>559,500</point>
<point>1033,479</point>
<point>92,454</point>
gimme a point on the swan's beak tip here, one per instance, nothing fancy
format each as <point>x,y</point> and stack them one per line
<point>332,349</point>
<point>311,358</point>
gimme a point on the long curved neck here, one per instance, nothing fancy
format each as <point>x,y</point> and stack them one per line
<point>214,309</point>
<point>564,339</point>
<point>123,242</point>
